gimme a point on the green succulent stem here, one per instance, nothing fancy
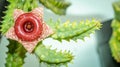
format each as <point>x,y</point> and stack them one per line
<point>115,38</point>
<point>51,57</point>
<point>73,30</point>
<point>57,6</point>
<point>116,7</point>
<point>15,55</point>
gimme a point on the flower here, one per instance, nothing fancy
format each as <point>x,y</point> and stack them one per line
<point>29,28</point>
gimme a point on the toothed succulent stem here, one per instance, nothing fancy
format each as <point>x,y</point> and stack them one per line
<point>51,57</point>
<point>115,38</point>
<point>73,30</point>
<point>15,55</point>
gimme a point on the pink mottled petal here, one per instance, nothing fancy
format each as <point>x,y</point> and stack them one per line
<point>17,13</point>
<point>11,34</point>
<point>46,31</point>
<point>29,46</point>
<point>38,12</point>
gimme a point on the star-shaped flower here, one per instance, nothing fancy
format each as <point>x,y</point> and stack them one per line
<point>29,28</point>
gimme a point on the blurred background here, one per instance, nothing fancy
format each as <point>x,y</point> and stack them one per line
<point>85,9</point>
<point>94,51</point>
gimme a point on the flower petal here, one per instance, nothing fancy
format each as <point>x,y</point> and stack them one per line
<point>29,46</point>
<point>38,12</point>
<point>11,34</point>
<point>46,31</point>
<point>17,13</point>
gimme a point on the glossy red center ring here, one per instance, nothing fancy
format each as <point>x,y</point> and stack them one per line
<point>33,31</point>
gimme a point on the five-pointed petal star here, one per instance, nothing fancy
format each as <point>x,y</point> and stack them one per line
<point>29,28</point>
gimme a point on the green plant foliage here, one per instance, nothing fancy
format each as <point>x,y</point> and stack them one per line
<point>57,6</point>
<point>15,55</point>
<point>116,7</point>
<point>115,45</point>
<point>8,20</point>
<point>51,57</point>
<point>14,60</point>
<point>115,38</point>
<point>73,30</point>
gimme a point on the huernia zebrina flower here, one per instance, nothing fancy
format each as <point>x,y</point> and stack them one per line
<point>29,28</point>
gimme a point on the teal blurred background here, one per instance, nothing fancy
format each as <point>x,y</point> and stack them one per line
<point>86,52</point>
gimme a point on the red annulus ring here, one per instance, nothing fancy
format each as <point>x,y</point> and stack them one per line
<point>28,27</point>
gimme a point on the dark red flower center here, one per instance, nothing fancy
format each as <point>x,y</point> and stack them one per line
<point>28,27</point>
